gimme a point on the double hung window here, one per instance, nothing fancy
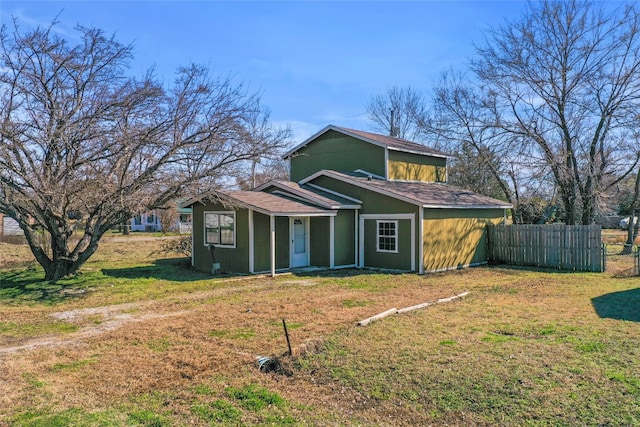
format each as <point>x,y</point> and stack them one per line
<point>387,236</point>
<point>219,228</point>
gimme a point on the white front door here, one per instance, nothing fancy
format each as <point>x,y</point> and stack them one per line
<point>299,232</point>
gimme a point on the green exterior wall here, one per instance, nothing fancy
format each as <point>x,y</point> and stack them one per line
<point>454,238</point>
<point>397,261</point>
<point>282,243</point>
<point>413,167</point>
<point>376,203</point>
<point>338,152</point>
<point>236,260</point>
<point>344,242</point>
<point>231,259</point>
<point>319,242</point>
<point>261,242</point>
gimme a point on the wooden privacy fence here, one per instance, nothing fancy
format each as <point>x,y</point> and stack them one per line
<point>566,247</point>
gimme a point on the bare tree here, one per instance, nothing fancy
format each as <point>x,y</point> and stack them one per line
<point>395,112</point>
<point>260,173</point>
<point>265,166</point>
<point>458,123</point>
<point>565,81</point>
<point>81,139</point>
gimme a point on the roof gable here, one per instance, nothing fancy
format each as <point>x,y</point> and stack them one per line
<point>387,142</point>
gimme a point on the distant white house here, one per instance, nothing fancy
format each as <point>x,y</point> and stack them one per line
<point>183,225</point>
<point>146,221</point>
<point>163,220</point>
<point>9,227</point>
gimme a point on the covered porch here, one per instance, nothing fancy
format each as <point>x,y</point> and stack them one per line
<point>258,232</point>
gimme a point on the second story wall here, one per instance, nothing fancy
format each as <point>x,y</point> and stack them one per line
<point>414,167</point>
<point>339,152</point>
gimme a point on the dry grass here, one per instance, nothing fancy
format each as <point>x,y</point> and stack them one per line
<point>137,341</point>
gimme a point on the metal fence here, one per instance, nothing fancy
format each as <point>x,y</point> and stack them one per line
<point>566,247</point>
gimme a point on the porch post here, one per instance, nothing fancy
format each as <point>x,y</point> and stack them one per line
<point>332,262</point>
<point>272,244</point>
<point>413,243</point>
<point>356,236</point>
<point>421,240</point>
<point>361,242</point>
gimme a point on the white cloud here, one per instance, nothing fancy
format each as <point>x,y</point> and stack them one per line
<point>28,19</point>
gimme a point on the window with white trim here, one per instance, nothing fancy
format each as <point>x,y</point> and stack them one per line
<point>220,229</point>
<point>387,236</point>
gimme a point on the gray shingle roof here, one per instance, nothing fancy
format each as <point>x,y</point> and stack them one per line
<point>398,144</point>
<point>313,195</point>
<point>426,194</point>
<point>266,203</point>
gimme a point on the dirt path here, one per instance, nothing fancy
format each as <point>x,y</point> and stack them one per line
<point>95,321</point>
<point>111,317</point>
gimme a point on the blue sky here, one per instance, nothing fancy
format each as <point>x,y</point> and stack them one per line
<point>315,63</point>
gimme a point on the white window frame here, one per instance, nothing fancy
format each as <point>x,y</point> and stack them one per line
<point>394,236</point>
<point>219,245</point>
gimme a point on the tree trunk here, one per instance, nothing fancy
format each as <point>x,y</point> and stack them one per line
<point>588,211</point>
<point>569,199</point>
<point>58,269</point>
<point>62,262</point>
<point>64,266</point>
<point>632,229</point>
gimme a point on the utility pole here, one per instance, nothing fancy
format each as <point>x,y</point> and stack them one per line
<point>393,129</point>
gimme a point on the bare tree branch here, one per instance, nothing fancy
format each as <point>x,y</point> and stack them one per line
<point>79,138</point>
<point>566,78</point>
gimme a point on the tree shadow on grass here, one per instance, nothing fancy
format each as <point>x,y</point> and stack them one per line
<point>28,286</point>
<point>623,305</point>
<point>171,269</point>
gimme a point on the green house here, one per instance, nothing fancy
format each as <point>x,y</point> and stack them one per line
<point>355,199</point>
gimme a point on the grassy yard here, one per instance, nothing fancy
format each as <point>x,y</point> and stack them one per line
<point>140,339</point>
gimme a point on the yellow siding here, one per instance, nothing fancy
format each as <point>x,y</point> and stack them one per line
<point>403,171</point>
<point>413,167</point>
<point>457,241</point>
